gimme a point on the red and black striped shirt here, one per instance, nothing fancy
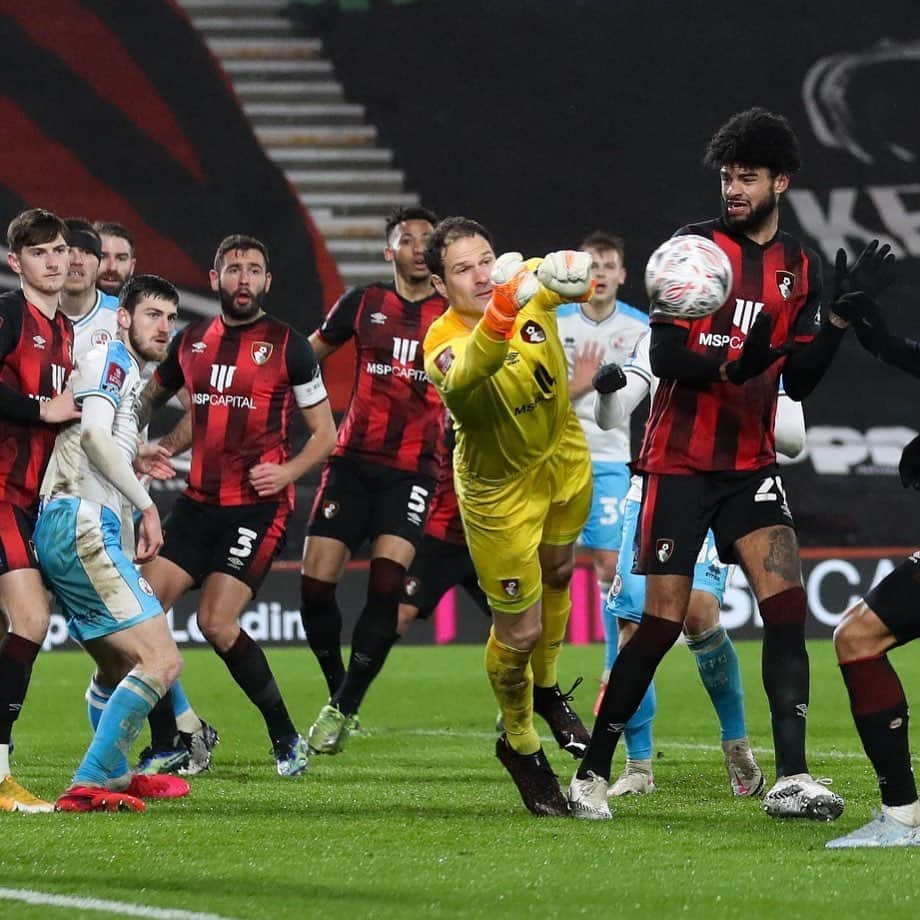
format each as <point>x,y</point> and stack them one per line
<point>721,426</point>
<point>241,381</point>
<point>36,358</point>
<point>395,417</point>
<point>444,521</point>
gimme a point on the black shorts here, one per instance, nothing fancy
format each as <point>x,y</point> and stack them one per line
<point>238,540</point>
<point>895,600</point>
<point>678,510</point>
<point>439,566</point>
<point>358,501</point>
<point>16,548</point>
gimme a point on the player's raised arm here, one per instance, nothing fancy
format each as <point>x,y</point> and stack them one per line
<point>869,275</point>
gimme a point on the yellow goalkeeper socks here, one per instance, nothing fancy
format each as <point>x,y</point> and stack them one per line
<point>557,605</point>
<point>512,683</point>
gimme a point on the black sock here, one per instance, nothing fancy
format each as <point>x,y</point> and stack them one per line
<point>880,713</point>
<point>162,719</point>
<point>17,655</point>
<point>249,667</point>
<point>630,676</point>
<point>374,635</point>
<point>784,667</point>
<point>322,622</point>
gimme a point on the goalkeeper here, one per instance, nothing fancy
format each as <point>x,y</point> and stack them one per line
<point>522,472</point>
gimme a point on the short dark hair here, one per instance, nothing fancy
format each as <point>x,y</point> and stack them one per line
<point>138,287</point>
<point>398,215</point>
<point>236,242</point>
<point>449,231</point>
<point>33,227</point>
<point>82,235</point>
<point>755,137</point>
<point>601,240</point>
<point>110,228</point>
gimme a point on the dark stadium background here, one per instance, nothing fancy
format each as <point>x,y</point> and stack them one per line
<point>542,119</point>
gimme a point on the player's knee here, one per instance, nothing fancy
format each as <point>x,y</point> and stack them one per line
<point>525,634</point>
<point>172,666</point>
<point>387,577</point>
<point>853,636</point>
<point>32,624</point>
<point>219,633</point>
<point>702,613</point>
<point>559,574</point>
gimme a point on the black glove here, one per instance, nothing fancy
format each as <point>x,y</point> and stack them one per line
<point>909,467</point>
<point>609,378</point>
<point>863,312</point>
<point>871,273</point>
<point>756,354</point>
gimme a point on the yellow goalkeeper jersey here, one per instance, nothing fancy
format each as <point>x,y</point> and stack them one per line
<point>510,399</point>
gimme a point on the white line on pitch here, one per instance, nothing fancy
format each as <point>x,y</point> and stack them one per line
<point>660,744</point>
<point>27,896</point>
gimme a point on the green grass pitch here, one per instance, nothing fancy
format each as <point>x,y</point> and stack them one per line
<point>417,818</point>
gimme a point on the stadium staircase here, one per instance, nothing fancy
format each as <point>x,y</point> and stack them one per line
<point>298,111</point>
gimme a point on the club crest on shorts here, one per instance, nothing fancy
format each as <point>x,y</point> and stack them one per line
<point>664,549</point>
<point>617,585</point>
<point>511,586</point>
<point>411,586</point>
<point>533,332</point>
<point>330,510</point>
<point>261,352</point>
<point>144,585</point>
<point>785,284</point>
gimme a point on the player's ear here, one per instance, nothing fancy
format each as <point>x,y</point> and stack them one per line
<point>388,254</point>
<point>13,261</point>
<point>268,281</point>
<point>124,318</point>
<point>439,285</point>
<point>215,280</point>
<point>780,183</point>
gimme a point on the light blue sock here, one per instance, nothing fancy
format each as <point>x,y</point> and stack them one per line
<point>638,733</point>
<point>179,699</point>
<point>718,666</point>
<point>120,724</point>
<point>639,728</point>
<point>96,696</point>
<point>610,633</point>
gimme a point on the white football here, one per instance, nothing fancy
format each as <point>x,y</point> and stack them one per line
<point>688,276</point>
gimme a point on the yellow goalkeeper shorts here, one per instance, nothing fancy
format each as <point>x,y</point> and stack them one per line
<point>505,523</point>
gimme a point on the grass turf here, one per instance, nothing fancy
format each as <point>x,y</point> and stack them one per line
<point>417,817</point>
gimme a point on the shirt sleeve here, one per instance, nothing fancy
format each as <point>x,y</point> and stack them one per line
<point>339,325</point>
<point>102,371</point>
<point>10,326</point>
<point>14,405</point>
<point>462,363</point>
<point>808,322</point>
<point>304,372</point>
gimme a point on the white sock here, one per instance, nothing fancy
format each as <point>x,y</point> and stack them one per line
<point>188,722</point>
<point>904,814</point>
<point>4,761</point>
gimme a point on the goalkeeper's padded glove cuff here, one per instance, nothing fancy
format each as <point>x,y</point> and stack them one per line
<point>498,319</point>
